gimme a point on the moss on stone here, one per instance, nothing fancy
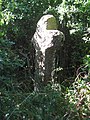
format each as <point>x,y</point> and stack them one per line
<point>52,24</point>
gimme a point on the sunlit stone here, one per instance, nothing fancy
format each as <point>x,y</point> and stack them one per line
<point>47,39</point>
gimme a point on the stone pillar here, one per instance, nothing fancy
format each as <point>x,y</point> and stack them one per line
<point>47,39</point>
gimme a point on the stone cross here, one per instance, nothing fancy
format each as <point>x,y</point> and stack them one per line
<point>47,39</point>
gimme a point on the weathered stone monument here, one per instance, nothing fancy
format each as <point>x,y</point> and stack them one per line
<point>47,40</point>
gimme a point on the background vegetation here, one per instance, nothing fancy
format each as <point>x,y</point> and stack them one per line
<point>69,97</point>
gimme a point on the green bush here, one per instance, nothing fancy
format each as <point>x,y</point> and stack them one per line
<point>47,104</point>
<point>78,94</point>
<point>79,100</point>
<point>52,102</point>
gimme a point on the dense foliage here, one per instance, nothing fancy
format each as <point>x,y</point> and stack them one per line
<point>66,100</point>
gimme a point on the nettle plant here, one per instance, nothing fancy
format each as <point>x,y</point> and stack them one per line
<point>87,64</point>
<point>78,94</point>
<point>79,100</point>
<point>9,60</point>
